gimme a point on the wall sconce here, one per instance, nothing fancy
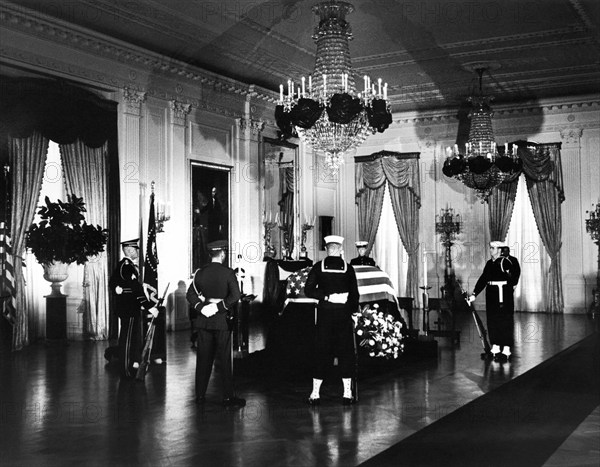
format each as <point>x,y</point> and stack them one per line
<point>162,216</point>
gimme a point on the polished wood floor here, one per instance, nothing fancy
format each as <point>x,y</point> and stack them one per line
<point>63,406</point>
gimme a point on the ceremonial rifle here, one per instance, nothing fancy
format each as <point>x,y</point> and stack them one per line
<point>148,341</point>
<point>487,349</point>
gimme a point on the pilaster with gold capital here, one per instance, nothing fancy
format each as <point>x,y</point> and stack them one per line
<point>179,112</point>
<point>133,101</point>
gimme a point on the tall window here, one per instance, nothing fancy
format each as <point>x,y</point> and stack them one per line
<point>53,186</point>
<point>526,245</point>
<point>388,251</point>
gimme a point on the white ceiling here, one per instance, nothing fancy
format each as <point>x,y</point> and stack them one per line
<point>422,48</point>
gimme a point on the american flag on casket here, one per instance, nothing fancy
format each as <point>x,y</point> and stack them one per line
<point>373,285</point>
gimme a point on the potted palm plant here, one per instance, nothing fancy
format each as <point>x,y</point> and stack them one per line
<point>62,237</point>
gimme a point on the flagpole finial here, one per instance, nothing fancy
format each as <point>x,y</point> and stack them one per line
<point>152,186</point>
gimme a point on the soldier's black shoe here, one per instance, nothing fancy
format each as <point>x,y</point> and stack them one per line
<point>234,402</point>
<point>314,402</point>
<point>500,357</point>
<point>348,401</point>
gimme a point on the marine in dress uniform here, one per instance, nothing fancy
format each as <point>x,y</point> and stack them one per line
<point>362,259</point>
<point>131,305</point>
<point>333,282</point>
<point>499,277</point>
<point>213,293</point>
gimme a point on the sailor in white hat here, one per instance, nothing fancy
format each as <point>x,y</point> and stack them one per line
<point>499,277</point>
<point>362,259</point>
<point>333,282</point>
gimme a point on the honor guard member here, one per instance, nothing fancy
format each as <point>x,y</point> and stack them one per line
<point>362,259</point>
<point>333,282</point>
<point>499,277</point>
<point>213,293</point>
<point>131,306</point>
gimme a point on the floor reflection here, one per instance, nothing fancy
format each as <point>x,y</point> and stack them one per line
<point>64,405</point>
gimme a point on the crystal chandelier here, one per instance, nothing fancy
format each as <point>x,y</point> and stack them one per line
<point>325,110</point>
<point>483,165</point>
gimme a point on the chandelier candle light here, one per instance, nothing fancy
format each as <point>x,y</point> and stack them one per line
<point>326,110</point>
<point>483,165</point>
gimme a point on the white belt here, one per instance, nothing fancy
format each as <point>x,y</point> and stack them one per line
<point>214,300</point>
<point>500,292</point>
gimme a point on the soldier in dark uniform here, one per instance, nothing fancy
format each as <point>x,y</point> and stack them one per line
<point>333,282</point>
<point>213,293</point>
<point>362,259</point>
<point>500,276</point>
<point>131,306</point>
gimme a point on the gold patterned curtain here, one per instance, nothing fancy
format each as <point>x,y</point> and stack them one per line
<point>401,172</point>
<point>542,168</point>
<point>286,205</point>
<point>27,157</point>
<point>86,176</point>
<point>543,173</point>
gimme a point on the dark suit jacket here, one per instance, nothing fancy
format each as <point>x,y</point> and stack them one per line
<point>132,299</point>
<point>362,261</point>
<point>214,281</point>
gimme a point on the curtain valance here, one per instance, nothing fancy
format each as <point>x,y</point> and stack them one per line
<point>59,111</point>
<point>401,170</point>
<point>542,162</point>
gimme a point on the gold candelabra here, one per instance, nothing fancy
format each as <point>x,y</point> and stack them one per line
<point>268,226</point>
<point>448,224</point>
<point>592,226</point>
<point>306,227</point>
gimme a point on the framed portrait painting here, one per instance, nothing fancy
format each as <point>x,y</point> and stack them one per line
<point>210,209</point>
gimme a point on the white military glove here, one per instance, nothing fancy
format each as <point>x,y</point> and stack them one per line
<point>471,299</point>
<point>338,298</point>
<point>118,290</point>
<point>153,312</point>
<point>209,310</point>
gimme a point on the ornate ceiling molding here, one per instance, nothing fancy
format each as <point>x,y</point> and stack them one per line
<point>519,39</point>
<point>52,30</point>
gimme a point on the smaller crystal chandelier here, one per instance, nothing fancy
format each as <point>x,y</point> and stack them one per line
<point>484,165</point>
<point>326,110</point>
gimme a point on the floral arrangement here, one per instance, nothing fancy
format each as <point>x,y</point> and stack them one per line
<point>380,334</point>
<point>63,234</point>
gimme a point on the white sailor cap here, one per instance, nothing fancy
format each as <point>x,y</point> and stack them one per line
<point>334,239</point>
<point>498,244</point>
<point>361,244</point>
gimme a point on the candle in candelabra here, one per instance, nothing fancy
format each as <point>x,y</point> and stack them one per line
<point>281,93</point>
<point>425,269</point>
<point>309,84</point>
<point>385,91</point>
<point>324,85</point>
<point>303,89</point>
<point>289,88</point>
<point>379,87</point>
<point>365,80</point>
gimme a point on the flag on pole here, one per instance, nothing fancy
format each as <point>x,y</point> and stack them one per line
<point>159,348</point>
<point>7,279</point>
<point>151,259</point>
